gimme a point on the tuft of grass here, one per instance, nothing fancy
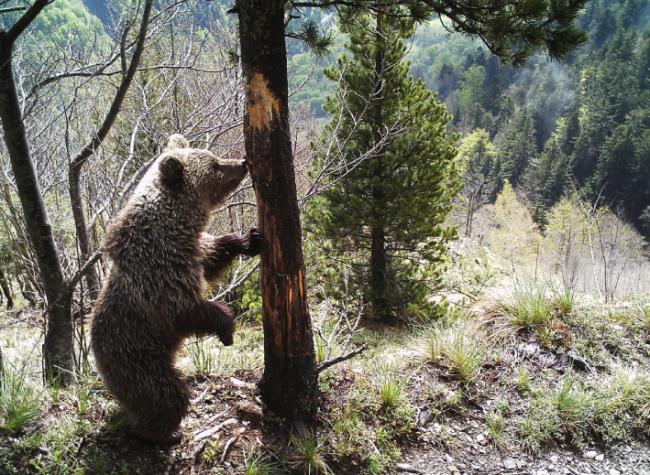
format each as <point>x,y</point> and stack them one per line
<point>308,455</point>
<point>261,465</point>
<point>563,303</point>
<point>523,380</point>
<point>19,400</point>
<point>390,385</point>
<point>610,410</point>
<point>459,347</point>
<point>202,357</point>
<point>530,308</point>
<point>496,426</point>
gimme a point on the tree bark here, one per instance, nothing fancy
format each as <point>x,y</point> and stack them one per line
<point>289,383</point>
<point>380,302</point>
<point>6,289</point>
<point>58,347</point>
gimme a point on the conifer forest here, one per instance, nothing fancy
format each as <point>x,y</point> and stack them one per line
<point>324,237</point>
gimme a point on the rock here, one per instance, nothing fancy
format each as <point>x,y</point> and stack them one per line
<point>600,457</point>
<point>613,471</point>
<point>509,464</point>
<point>449,458</point>
<point>424,417</point>
<point>452,469</point>
<point>405,467</point>
<point>481,439</point>
<point>554,459</point>
<point>590,454</point>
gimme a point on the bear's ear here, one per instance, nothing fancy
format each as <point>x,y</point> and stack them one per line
<point>171,170</point>
<point>177,141</point>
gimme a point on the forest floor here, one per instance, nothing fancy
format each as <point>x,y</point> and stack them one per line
<point>540,384</point>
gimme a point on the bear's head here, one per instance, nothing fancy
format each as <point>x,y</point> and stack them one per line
<point>207,178</point>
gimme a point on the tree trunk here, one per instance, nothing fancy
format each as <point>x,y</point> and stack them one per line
<point>81,229</point>
<point>381,307</point>
<point>58,348</point>
<point>288,385</point>
<point>379,292</point>
<point>6,289</point>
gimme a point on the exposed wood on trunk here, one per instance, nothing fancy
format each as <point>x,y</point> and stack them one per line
<point>289,383</point>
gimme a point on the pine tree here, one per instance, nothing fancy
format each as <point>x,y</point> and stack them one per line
<point>519,147</point>
<point>549,175</point>
<point>388,210</point>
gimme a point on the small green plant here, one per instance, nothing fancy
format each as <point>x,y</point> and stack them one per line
<point>202,357</point>
<point>523,380</point>
<point>19,400</point>
<point>308,456</point>
<point>563,303</point>
<point>459,347</point>
<point>390,385</point>
<point>496,426</point>
<point>261,465</point>
<point>530,308</point>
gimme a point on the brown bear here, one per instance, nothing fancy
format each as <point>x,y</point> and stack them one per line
<point>152,300</point>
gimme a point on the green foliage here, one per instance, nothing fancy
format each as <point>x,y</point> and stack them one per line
<point>480,166</point>
<point>308,455</point>
<point>390,386</point>
<point>612,410</point>
<point>530,307</point>
<point>459,347</point>
<point>20,401</point>
<point>261,465</point>
<point>397,176</point>
<point>514,236</point>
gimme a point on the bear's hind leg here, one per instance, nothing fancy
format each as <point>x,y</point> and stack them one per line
<point>161,404</point>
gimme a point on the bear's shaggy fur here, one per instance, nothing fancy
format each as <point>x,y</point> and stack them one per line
<point>152,300</point>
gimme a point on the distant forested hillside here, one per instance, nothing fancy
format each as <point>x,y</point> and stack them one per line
<point>579,125</point>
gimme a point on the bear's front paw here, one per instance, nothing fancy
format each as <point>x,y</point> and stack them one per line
<point>226,327</point>
<point>255,242</point>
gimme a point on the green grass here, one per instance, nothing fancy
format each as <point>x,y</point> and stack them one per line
<point>459,347</point>
<point>496,425</point>
<point>308,455</point>
<point>261,465</point>
<point>530,308</point>
<point>578,410</point>
<point>203,359</point>
<point>563,303</point>
<point>20,400</point>
<point>390,386</point>
<point>523,380</point>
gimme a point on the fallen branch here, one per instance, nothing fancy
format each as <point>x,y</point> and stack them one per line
<point>339,359</point>
<point>213,430</point>
<point>231,442</point>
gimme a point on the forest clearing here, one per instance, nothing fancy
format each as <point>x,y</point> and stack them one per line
<point>325,237</point>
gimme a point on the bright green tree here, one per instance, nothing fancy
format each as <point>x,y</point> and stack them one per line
<point>386,210</point>
<point>480,167</point>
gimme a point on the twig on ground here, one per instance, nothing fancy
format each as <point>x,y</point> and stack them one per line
<point>231,442</point>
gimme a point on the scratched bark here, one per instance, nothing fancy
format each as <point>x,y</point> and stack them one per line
<point>289,382</point>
